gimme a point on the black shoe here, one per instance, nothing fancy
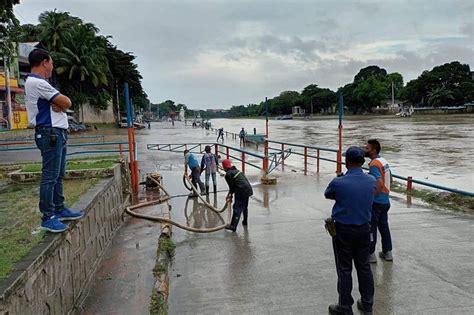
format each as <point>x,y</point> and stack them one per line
<point>244,222</point>
<point>362,308</point>
<point>230,228</point>
<point>336,309</point>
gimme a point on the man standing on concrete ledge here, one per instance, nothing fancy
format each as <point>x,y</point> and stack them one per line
<point>46,109</point>
<point>354,194</point>
<point>240,186</point>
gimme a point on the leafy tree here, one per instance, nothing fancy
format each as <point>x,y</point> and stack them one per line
<point>9,28</point>
<point>397,80</point>
<point>370,72</point>
<point>440,96</point>
<point>370,92</point>
<point>88,67</point>
<point>452,77</point>
<point>54,28</point>
<point>29,33</point>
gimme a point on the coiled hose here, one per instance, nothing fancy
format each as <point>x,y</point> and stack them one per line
<point>186,180</point>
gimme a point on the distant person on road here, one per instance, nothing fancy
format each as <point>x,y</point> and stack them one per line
<point>209,164</point>
<point>220,134</point>
<point>241,188</point>
<point>46,109</point>
<point>191,162</point>
<point>354,195</point>
<point>379,168</point>
<point>242,136</point>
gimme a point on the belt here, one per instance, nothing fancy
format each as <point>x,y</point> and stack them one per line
<point>38,128</point>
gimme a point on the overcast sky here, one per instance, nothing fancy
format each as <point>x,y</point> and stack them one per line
<point>214,54</point>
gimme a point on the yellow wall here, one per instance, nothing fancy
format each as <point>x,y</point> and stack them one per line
<point>13,82</point>
<point>20,120</point>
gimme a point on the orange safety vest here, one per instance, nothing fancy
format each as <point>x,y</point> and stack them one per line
<point>384,169</point>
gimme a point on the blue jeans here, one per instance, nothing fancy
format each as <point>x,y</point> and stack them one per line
<point>241,206</point>
<point>380,221</point>
<point>213,179</point>
<point>52,144</point>
<point>196,178</point>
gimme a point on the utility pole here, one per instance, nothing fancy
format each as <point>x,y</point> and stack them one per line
<point>311,106</point>
<point>393,97</point>
<point>8,98</point>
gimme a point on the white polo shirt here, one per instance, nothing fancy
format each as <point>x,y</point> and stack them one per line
<point>38,97</point>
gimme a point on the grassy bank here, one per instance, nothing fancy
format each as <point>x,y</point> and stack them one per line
<point>443,200</point>
<point>73,165</point>
<point>19,216</point>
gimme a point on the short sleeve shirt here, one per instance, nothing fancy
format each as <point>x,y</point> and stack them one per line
<point>39,94</point>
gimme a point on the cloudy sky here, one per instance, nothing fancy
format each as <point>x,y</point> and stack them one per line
<point>214,54</point>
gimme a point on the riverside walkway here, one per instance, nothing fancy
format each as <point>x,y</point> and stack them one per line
<point>283,262</point>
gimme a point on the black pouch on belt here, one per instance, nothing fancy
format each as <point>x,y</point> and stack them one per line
<point>330,226</point>
<point>53,138</point>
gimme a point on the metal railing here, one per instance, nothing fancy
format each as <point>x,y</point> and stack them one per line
<point>121,147</point>
<point>284,153</point>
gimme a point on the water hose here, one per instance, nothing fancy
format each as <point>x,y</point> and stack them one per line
<point>130,210</point>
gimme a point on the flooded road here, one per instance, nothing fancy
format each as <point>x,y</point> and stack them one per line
<point>434,148</point>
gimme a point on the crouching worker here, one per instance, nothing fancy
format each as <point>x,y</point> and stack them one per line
<point>191,162</point>
<point>241,188</point>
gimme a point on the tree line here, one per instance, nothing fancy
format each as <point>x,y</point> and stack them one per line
<point>450,84</point>
<point>88,67</point>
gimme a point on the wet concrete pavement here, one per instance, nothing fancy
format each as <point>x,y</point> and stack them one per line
<point>283,262</point>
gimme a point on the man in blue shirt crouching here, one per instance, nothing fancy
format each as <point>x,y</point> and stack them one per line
<point>354,195</point>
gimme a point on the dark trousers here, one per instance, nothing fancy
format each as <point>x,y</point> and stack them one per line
<point>196,178</point>
<point>52,144</point>
<point>380,221</point>
<point>241,206</point>
<point>352,243</point>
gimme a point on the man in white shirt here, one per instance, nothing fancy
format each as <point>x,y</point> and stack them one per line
<point>46,109</point>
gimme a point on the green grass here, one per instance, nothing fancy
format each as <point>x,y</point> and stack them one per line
<point>444,200</point>
<point>167,246</point>
<point>73,165</point>
<point>159,303</point>
<point>19,216</point>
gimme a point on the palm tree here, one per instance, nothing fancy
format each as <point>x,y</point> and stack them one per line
<point>82,57</point>
<point>82,64</point>
<point>55,27</point>
<point>440,96</point>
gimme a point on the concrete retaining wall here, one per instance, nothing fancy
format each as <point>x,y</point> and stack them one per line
<point>89,114</point>
<point>57,273</point>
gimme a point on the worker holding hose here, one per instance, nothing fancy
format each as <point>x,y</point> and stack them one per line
<point>193,164</point>
<point>241,188</point>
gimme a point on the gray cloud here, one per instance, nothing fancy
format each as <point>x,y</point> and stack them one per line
<point>219,53</point>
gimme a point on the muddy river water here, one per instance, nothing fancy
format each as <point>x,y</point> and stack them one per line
<point>434,148</point>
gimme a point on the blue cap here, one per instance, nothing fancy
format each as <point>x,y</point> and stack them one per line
<point>354,154</point>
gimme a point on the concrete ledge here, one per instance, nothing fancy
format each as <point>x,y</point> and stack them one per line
<point>54,276</point>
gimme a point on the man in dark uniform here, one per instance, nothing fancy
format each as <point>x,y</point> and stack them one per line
<point>240,186</point>
<point>354,194</point>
